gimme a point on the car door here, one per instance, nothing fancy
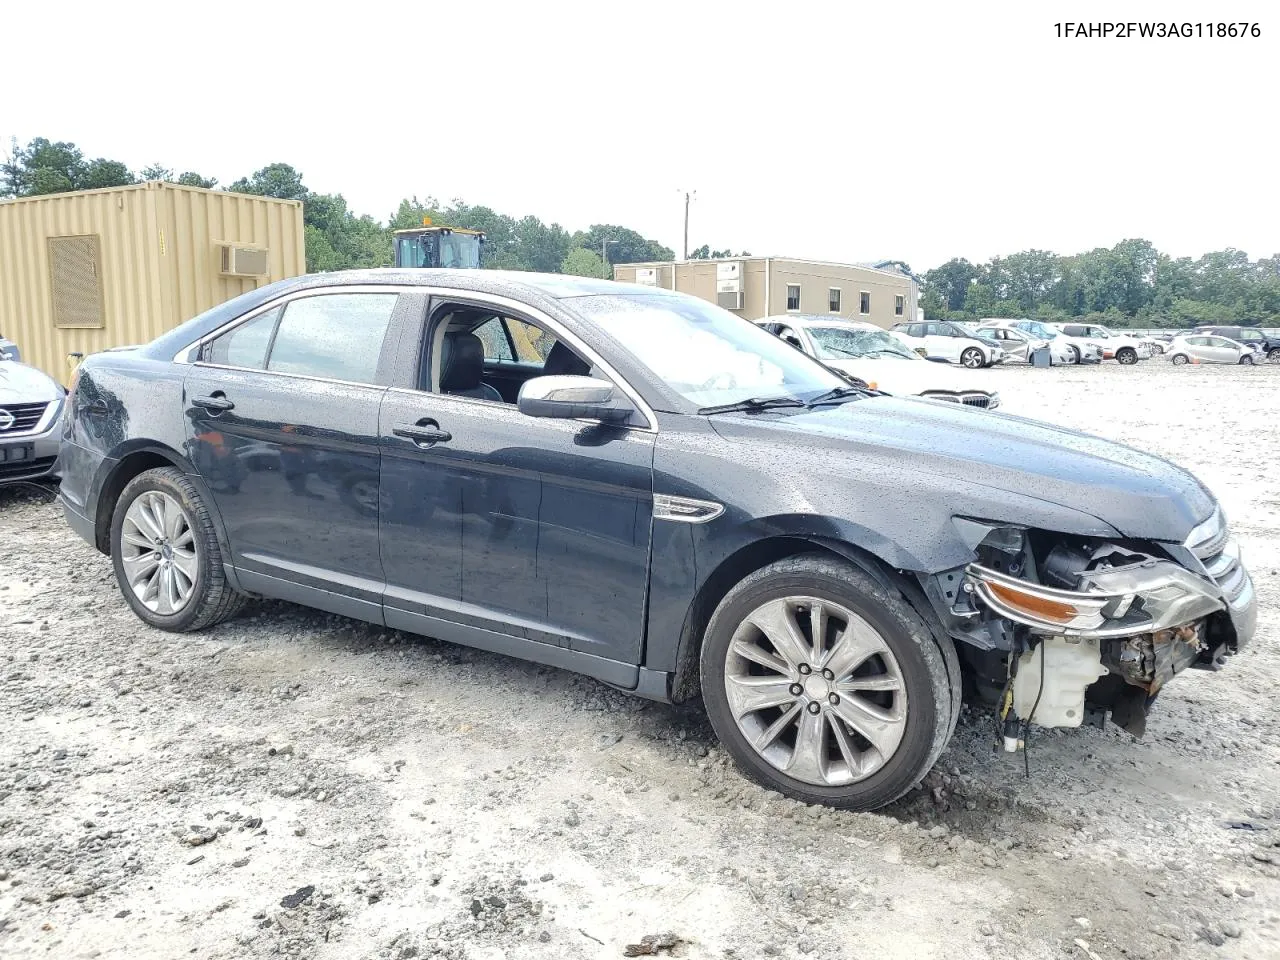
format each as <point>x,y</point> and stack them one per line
<point>514,533</point>
<point>282,426</point>
<point>1224,350</point>
<point>939,343</point>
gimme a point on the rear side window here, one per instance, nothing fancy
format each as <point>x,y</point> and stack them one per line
<point>245,345</point>
<point>335,336</point>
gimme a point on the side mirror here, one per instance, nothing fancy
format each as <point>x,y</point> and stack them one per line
<point>572,398</point>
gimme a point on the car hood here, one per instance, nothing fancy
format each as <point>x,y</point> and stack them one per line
<point>1137,494</point>
<point>20,383</point>
<point>903,376</point>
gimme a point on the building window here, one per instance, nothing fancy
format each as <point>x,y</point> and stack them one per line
<point>793,296</point>
<point>833,299</point>
<point>864,303</point>
<point>899,304</point>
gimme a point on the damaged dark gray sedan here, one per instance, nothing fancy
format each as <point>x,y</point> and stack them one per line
<point>642,487</point>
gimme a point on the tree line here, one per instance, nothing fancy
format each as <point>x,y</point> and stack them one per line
<point>336,238</point>
<point>1130,284</point>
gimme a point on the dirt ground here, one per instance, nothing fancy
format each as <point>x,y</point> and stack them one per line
<point>297,784</point>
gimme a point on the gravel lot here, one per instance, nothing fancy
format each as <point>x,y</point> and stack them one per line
<point>295,783</point>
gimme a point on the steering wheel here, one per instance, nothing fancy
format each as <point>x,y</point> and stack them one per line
<point>724,374</point>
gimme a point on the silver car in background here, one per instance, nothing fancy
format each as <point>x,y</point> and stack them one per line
<point>1206,348</point>
<point>31,405</point>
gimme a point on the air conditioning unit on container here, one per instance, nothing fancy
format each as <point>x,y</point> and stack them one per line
<point>235,260</point>
<point>729,299</point>
<point>647,276</point>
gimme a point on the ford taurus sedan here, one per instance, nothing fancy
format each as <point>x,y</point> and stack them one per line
<point>642,487</point>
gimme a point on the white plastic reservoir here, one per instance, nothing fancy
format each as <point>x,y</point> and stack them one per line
<point>1069,665</point>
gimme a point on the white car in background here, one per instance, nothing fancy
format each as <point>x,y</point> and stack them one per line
<point>1069,349</point>
<point>943,340</point>
<point>879,358</point>
<point>1120,347</point>
<point>1061,350</point>
<point>1017,346</point>
<point>1207,348</point>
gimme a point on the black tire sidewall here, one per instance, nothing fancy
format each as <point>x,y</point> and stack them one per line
<point>1178,360</point>
<point>156,480</point>
<point>969,352</point>
<point>1127,356</point>
<point>906,766</point>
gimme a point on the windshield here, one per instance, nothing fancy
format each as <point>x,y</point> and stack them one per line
<point>460,250</point>
<point>1040,330</point>
<point>705,353</point>
<point>837,343</point>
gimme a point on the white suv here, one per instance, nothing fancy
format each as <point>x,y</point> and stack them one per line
<point>1120,347</point>
<point>941,340</point>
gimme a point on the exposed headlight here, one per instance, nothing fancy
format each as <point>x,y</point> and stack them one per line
<point>1111,602</point>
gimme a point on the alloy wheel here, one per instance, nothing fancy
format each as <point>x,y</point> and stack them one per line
<point>158,553</point>
<point>816,691</point>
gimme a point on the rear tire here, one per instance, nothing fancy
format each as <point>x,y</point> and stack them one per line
<point>895,684</point>
<point>1178,359</point>
<point>182,545</point>
<point>1126,356</point>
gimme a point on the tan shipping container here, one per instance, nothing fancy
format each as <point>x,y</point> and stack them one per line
<point>81,272</point>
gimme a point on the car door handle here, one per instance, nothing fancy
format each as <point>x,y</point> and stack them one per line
<point>217,403</point>
<point>424,433</point>
<point>98,408</point>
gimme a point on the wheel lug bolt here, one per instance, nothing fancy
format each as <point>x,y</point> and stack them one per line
<point>828,675</point>
<point>804,669</point>
<point>833,698</point>
<point>814,708</point>
<point>795,689</point>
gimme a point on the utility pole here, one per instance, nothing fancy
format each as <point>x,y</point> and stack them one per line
<point>688,196</point>
<point>604,255</point>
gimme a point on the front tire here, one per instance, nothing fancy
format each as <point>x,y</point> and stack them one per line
<point>166,556</point>
<point>1273,356</point>
<point>972,358</point>
<point>1075,354</point>
<point>1126,356</point>
<point>852,719</point>
<point>1246,360</point>
<point>1179,359</point>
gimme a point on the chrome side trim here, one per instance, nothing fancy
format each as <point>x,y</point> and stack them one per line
<point>685,509</point>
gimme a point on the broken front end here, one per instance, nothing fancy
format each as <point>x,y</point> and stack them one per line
<point>1060,630</point>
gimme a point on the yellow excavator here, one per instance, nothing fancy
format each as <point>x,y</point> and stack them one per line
<point>435,246</point>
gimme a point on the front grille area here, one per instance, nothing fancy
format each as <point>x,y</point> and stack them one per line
<point>982,400</point>
<point>25,416</point>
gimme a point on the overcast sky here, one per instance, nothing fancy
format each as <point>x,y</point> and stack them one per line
<point>845,132</point>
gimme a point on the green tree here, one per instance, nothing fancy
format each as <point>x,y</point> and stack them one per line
<point>157,171</point>
<point>581,262</point>
<point>277,180</point>
<point>951,281</point>
<point>43,167</point>
<point>630,247</point>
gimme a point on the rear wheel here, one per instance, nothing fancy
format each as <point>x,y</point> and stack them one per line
<point>1127,356</point>
<point>166,556</point>
<point>827,687</point>
<point>1179,359</point>
<point>972,358</point>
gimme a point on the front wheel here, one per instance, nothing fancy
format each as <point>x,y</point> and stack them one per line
<point>1273,356</point>
<point>166,556</point>
<point>972,358</point>
<point>827,687</point>
<point>1126,356</point>
<point>1246,360</point>
<point>1075,354</point>
<point>1179,359</point>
